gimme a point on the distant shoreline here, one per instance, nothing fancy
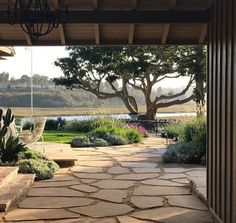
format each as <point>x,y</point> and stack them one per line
<point>26,112</point>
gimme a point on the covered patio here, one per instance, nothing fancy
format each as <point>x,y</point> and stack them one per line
<point>137,22</point>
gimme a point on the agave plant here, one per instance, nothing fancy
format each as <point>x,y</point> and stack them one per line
<point>9,146</point>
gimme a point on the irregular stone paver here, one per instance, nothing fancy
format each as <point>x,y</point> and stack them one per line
<point>138,164</point>
<point>61,178</point>
<point>114,184</point>
<point>116,196</point>
<point>84,188</point>
<point>173,176</point>
<point>182,180</point>
<point>96,163</point>
<point>54,192</point>
<point>103,209</point>
<point>118,170</point>
<point>95,191</point>
<point>175,170</point>
<point>134,176</point>
<point>148,155</point>
<point>186,202</point>
<point>160,190</point>
<point>38,214</point>
<point>55,184</point>
<point>83,169</point>
<point>199,181</point>
<point>196,173</point>
<point>174,215</point>
<point>99,176</point>
<point>158,182</point>
<point>128,219</point>
<point>130,159</point>
<point>85,220</point>
<point>145,202</point>
<point>88,181</point>
<point>93,158</point>
<point>54,202</point>
<point>146,170</point>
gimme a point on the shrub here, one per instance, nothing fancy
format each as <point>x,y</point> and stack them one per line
<point>28,153</point>
<point>172,131</point>
<point>140,129</point>
<point>129,134</point>
<point>90,125</point>
<point>52,124</point>
<point>81,141</point>
<point>99,142</point>
<point>182,152</point>
<point>32,161</point>
<point>28,126</point>
<point>193,130</point>
<point>115,140</point>
<point>36,166</point>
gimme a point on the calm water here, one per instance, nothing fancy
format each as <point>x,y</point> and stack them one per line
<point>120,116</point>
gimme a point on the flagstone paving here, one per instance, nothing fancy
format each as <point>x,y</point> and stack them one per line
<point>124,184</point>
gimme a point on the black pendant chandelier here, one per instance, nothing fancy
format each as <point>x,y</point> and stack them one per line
<point>36,17</point>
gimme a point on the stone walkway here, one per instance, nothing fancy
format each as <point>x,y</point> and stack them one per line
<point>125,184</point>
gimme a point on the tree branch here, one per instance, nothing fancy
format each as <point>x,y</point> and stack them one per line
<point>175,102</point>
<point>183,92</point>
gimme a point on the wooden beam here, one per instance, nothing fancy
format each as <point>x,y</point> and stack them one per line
<point>95,4</point>
<point>166,27</point>
<point>132,17</point>
<point>61,27</point>
<point>131,34</point>
<point>92,42</point>
<point>134,4</point>
<point>97,34</point>
<point>165,33</point>
<point>203,34</point>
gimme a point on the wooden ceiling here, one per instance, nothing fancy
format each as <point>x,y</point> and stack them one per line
<point>115,22</point>
<point>6,52</point>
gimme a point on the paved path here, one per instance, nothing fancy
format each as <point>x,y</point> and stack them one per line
<point>125,184</point>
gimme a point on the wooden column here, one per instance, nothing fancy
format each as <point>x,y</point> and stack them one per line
<point>222,111</point>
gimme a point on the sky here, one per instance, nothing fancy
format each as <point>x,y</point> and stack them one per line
<point>43,64</point>
<point>43,61</point>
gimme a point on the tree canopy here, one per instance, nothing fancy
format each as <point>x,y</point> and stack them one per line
<point>141,67</point>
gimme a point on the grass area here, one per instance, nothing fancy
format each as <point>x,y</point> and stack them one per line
<point>60,136</point>
<point>25,112</point>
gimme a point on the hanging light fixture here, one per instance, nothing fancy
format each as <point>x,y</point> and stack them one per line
<point>36,17</point>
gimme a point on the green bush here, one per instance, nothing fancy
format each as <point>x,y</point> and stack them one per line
<point>90,125</point>
<point>193,130</point>
<point>52,124</point>
<point>183,152</point>
<point>36,166</point>
<point>99,142</point>
<point>172,131</point>
<point>115,140</point>
<point>32,161</point>
<point>129,134</point>
<point>28,126</point>
<point>81,141</point>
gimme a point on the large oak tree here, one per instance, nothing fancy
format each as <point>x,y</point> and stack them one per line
<point>141,68</point>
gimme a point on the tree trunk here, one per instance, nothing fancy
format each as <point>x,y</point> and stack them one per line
<point>199,91</point>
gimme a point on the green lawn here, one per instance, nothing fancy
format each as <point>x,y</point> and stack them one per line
<point>60,136</point>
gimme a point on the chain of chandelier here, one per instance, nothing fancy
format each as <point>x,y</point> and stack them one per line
<point>36,17</point>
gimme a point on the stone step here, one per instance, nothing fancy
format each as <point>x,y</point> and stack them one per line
<point>10,193</point>
<point>7,175</point>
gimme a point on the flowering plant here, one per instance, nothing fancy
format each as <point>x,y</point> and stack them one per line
<point>140,129</point>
